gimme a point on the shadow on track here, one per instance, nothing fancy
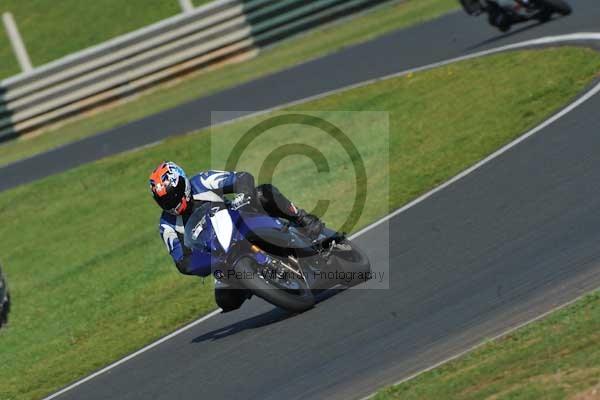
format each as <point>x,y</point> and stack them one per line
<point>506,35</point>
<point>270,317</point>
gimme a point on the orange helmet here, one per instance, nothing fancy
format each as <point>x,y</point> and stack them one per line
<point>170,188</point>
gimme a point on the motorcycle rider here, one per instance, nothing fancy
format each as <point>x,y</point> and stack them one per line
<point>498,10</point>
<point>179,196</point>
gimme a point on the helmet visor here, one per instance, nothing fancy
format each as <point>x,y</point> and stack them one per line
<point>173,198</point>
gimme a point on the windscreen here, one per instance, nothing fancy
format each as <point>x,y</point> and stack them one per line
<point>197,234</point>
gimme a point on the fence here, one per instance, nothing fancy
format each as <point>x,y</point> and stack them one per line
<point>220,31</point>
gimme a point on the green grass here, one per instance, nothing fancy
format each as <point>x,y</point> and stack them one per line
<point>294,51</point>
<point>52,29</point>
<point>91,280</point>
<point>9,65</point>
<point>555,358</point>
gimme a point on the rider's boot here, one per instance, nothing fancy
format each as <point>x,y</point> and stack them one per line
<point>275,203</point>
<point>229,298</point>
<point>311,224</point>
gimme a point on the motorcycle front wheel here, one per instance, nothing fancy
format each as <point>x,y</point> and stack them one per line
<point>558,6</point>
<point>297,297</point>
<point>353,261</point>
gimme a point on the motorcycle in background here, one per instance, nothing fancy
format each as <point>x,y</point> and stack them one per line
<point>504,13</point>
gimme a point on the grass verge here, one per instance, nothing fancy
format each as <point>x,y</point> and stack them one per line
<point>316,43</point>
<point>555,358</point>
<point>91,281</point>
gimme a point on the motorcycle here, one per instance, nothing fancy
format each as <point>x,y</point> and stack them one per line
<point>271,257</point>
<point>504,13</point>
<point>4,300</point>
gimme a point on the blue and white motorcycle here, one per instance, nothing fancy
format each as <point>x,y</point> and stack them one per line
<point>271,257</point>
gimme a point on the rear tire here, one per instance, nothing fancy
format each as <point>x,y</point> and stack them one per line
<point>558,6</point>
<point>266,291</point>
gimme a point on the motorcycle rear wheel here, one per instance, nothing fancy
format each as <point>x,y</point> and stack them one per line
<point>300,301</point>
<point>499,20</point>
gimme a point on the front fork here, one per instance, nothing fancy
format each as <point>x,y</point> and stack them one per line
<point>276,267</point>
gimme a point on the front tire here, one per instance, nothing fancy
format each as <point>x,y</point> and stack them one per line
<point>354,261</point>
<point>558,6</point>
<point>299,301</point>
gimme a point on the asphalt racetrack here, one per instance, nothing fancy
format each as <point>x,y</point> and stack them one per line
<point>513,239</point>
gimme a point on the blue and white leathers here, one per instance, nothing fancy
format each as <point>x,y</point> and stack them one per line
<point>208,186</point>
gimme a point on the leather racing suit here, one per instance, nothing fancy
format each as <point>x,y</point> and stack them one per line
<point>210,186</point>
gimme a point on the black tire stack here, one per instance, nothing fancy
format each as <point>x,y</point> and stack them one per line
<point>4,300</point>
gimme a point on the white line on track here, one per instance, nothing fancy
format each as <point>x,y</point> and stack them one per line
<point>577,37</point>
<point>549,40</point>
<point>137,353</point>
<point>470,349</point>
<point>591,93</point>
